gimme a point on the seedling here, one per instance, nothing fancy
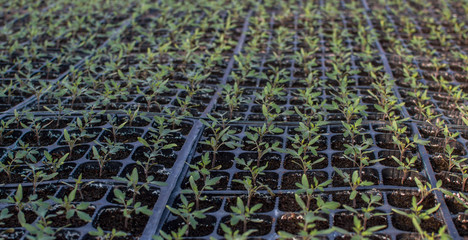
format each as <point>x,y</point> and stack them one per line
<point>130,207</point>
<point>186,212</point>
<point>244,213</point>
<point>114,127</point>
<point>9,164</point>
<point>41,228</point>
<point>304,145</point>
<point>233,98</point>
<point>70,209</point>
<point>36,175</point>
<point>103,155</point>
<point>235,235</point>
<point>101,235</point>
<point>157,144</point>
<point>308,189</point>
<point>133,184</point>
<point>417,215</point>
<point>405,163</point>
<point>360,227</point>
<point>359,154</point>
<point>221,136</point>
<point>354,181</point>
<point>250,183</point>
<point>256,139</point>
<point>53,163</point>
<point>208,184</point>
<point>36,127</point>
<point>4,131</point>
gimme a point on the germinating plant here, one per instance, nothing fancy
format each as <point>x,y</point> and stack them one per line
<point>220,135</point>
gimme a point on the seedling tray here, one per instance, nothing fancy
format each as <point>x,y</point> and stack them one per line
<point>122,55</point>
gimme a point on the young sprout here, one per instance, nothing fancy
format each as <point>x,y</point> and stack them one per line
<point>4,215</point>
<point>130,207</point>
<point>360,227</point>
<point>36,175</point>
<point>235,235</point>
<point>256,139</point>
<point>132,115</point>
<point>174,118</point>
<point>204,167</point>
<point>103,155</point>
<point>417,215</point>
<point>354,181</point>
<point>114,127</point>
<point>101,235</point>
<point>308,189</point>
<point>173,235</point>
<point>387,103</point>
<point>36,127</point>
<point>186,212</point>
<point>157,144</point>
<point>462,167</point>
<point>406,163</point>
<point>134,185</point>
<point>233,98</point>
<point>157,86</point>
<point>250,183</point>
<point>69,209</point>
<point>9,164</point>
<point>208,184</point>
<point>18,200</point>
<point>358,154</point>
<point>312,108</point>
<point>4,129</point>
<point>53,163</point>
<point>244,213</point>
<point>352,130</point>
<point>304,145</point>
<point>310,216</point>
<point>39,229</point>
<point>221,136</point>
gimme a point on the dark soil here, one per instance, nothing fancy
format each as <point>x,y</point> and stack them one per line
<point>289,222</point>
<point>75,221</point>
<point>461,222</point>
<point>403,199</point>
<point>167,158</point>
<point>205,226</point>
<point>77,153</point>
<point>404,223</point>
<point>46,138</point>
<point>111,218</point>
<point>89,193</point>
<point>91,170</point>
<point>393,176</point>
